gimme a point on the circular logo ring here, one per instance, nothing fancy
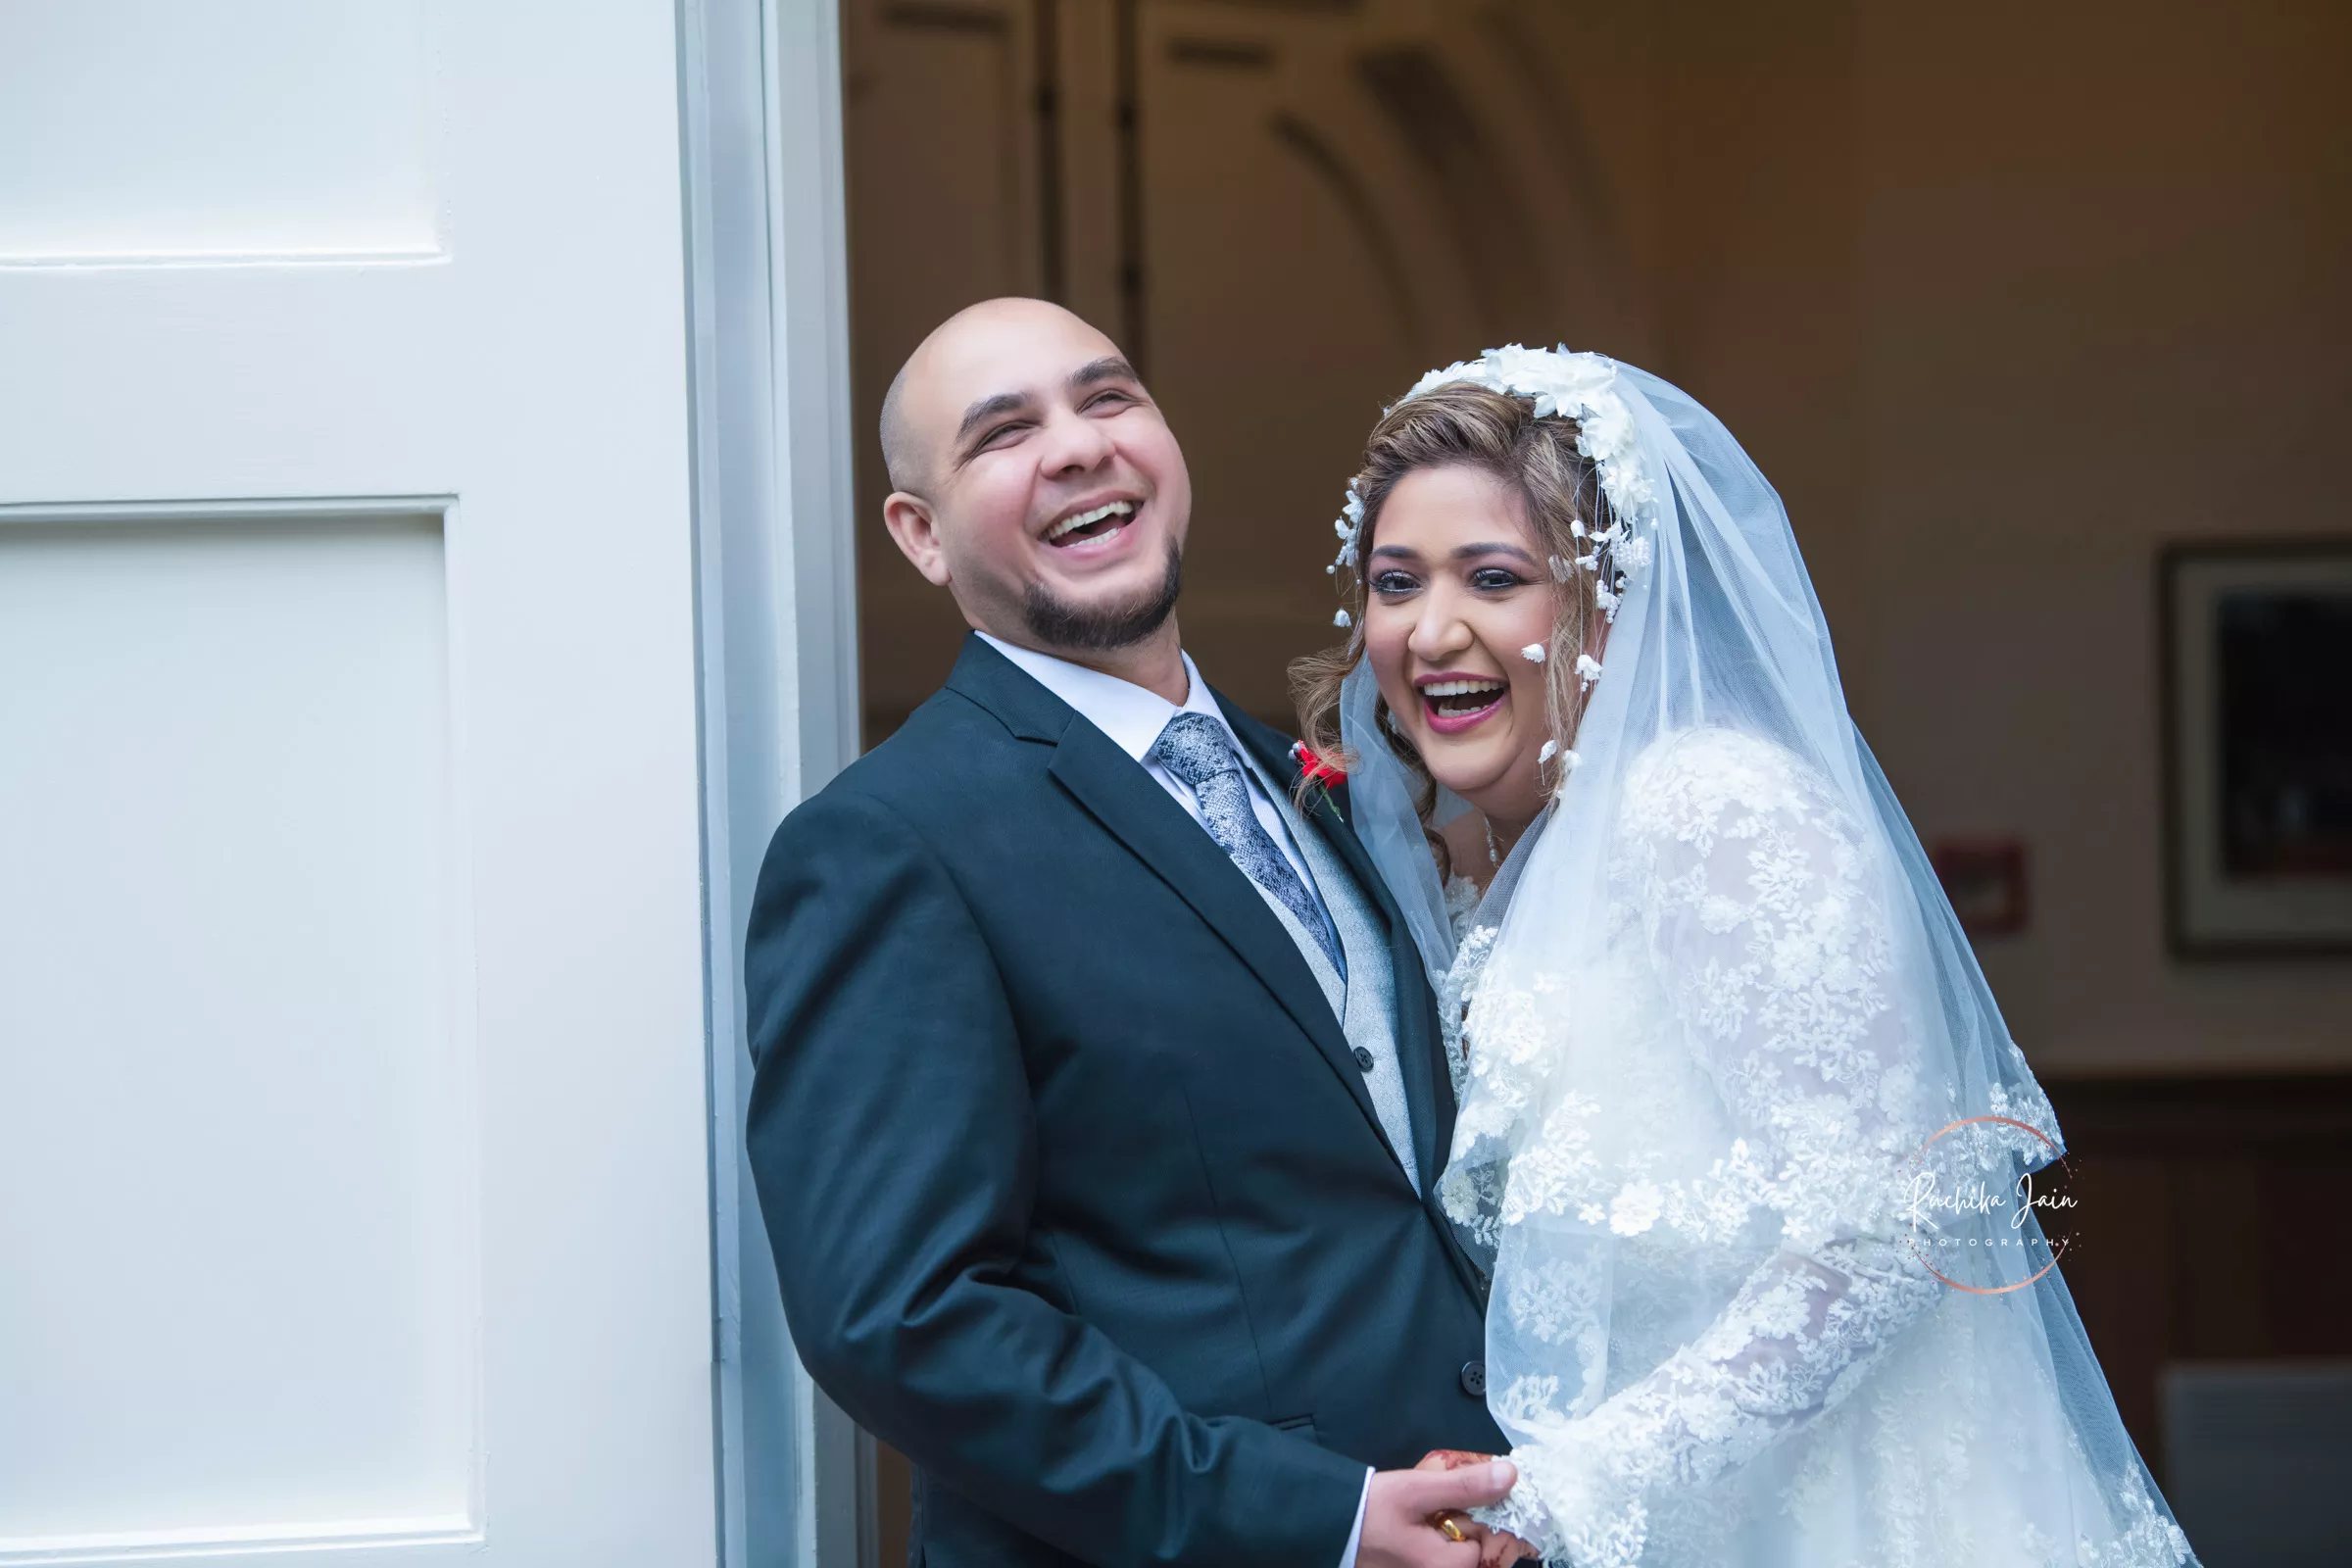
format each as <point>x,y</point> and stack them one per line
<point>2057,1249</point>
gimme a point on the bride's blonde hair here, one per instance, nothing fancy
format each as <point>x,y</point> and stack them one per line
<point>1461,425</point>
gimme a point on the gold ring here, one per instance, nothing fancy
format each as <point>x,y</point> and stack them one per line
<point>1444,1522</point>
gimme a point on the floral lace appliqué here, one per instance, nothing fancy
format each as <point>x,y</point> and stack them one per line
<point>1692,1176</point>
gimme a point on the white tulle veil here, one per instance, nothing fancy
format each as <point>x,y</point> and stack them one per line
<point>1716,633</point>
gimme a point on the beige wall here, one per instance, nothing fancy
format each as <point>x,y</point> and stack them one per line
<point>2001,296</point>
<point>2105,257</point>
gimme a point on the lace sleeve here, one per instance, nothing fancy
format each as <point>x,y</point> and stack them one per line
<point>1762,923</point>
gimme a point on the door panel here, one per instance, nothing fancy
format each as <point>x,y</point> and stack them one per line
<point>353,1125</point>
<point>146,128</point>
<point>275,1076</point>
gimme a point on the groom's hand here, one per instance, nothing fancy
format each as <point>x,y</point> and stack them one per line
<point>1400,1506</point>
<point>1498,1548</point>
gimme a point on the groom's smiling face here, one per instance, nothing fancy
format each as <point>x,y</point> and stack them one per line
<point>1036,479</point>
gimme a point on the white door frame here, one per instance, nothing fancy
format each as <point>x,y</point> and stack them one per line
<point>759,100</point>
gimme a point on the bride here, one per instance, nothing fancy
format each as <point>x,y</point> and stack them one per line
<point>1742,1131</point>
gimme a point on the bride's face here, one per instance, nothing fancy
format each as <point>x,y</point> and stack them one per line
<point>1457,587</point>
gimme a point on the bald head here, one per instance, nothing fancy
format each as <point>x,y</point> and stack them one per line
<point>1034,478</point>
<point>946,380</point>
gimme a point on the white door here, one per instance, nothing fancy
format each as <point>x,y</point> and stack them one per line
<point>354,1158</point>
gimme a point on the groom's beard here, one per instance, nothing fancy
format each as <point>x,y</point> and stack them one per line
<point>1099,629</point>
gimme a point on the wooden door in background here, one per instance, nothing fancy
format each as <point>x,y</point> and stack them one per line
<point>1285,211</point>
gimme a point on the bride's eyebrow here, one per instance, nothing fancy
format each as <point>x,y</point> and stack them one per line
<point>1468,552</point>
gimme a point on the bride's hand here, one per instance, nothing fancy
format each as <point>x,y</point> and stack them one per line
<point>1497,1548</point>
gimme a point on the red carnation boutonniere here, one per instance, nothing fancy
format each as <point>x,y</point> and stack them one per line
<point>1319,774</point>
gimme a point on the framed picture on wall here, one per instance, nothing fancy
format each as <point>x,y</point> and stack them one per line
<point>2257,670</point>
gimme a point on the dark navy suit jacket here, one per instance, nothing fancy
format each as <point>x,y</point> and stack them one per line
<point>1076,1188</point>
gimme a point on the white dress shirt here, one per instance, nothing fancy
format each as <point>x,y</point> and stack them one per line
<point>1133,719</point>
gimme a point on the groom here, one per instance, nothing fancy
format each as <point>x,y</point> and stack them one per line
<point>1100,1094</point>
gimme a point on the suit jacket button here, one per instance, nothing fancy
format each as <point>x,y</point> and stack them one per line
<point>1474,1379</point>
<point>1363,1058</point>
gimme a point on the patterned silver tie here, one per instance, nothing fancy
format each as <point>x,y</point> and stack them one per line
<point>1194,749</point>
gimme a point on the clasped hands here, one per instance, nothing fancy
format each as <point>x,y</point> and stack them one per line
<point>1415,1519</point>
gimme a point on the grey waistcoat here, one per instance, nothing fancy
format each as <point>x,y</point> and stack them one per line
<point>1365,1003</point>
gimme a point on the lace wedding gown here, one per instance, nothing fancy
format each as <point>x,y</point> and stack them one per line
<point>1714,1337</point>
<point>1717,1034</point>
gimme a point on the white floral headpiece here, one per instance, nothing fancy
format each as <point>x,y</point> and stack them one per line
<point>1582,387</point>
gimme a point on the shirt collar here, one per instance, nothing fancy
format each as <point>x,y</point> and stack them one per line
<point>1129,715</point>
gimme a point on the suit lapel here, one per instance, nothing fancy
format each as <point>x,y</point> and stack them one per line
<point>1134,809</point>
<point>1140,814</point>
<point>1420,1050</point>
<point>1420,1046</point>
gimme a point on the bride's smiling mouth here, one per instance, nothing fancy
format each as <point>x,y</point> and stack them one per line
<point>1452,703</point>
